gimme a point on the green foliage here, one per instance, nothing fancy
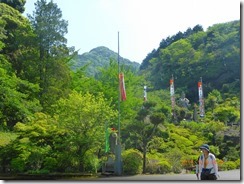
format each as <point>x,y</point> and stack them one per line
<point>16,4</point>
<point>228,112</point>
<point>50,163</point>
<point>170,40</point>
<point>83,117</point>
<point>164,167</point>
<point>52,72</point>
<point>229,165</point>
<point>174,159</point>
<point>39,140</point>
<point>16,98</point>
<point>213,55</point>
<point>238,163</point>
<point>18,164</point>
<point>132,161</point>
<point>157,164</point>
<point>233,153</point>
<point>6,138</point>
<point>16,29</point>
<point>214,99</point>
<point>91,163</point>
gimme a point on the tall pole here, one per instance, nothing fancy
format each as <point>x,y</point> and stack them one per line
<point>119,96</point>
<point>118,161</point>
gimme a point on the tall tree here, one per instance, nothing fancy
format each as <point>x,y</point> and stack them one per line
<point>53,71</point>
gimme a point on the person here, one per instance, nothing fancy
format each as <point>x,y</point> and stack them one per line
<point>208,167</point>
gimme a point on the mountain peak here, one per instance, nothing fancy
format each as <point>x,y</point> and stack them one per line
<point>100,57</point>
<point>100,48</point>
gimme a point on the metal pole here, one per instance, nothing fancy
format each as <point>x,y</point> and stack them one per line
<point>119,96</point>
<point>118,161</point>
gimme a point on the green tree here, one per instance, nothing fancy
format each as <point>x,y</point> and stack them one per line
<point>17,38</point>
<point>53,72</point>
<point>84,117</point>
<point>68,141</point>
<point>36,147</point>
<point>228,111</point>
<point>16,4</point>
<point>142,131</point>
<point>214,98</point>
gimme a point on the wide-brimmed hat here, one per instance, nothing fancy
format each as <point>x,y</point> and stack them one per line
<point>205,146</point>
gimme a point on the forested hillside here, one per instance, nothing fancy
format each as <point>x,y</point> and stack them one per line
<point>213,55</point>
<point>99,58</point>
<point>57,119</point>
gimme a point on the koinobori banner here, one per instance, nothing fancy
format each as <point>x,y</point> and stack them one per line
<point>201,99</point>
<point>122,87</point>
<point>172,92</point>
<point>145,93</point>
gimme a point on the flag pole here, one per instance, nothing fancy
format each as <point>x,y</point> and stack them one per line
<point>118,161</point>
<point>119,95</point>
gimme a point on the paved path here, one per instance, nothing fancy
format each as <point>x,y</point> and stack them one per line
<point>233,175</point>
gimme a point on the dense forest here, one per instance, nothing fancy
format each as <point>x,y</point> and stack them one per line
<point>55,117</point>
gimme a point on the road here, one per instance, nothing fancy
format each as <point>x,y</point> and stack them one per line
<point>233,175</point>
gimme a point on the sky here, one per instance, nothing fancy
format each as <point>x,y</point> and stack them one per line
<point>141,24</point>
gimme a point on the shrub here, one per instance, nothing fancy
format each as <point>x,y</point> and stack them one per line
<point>132,161</point>
<point>220,164</point>
<point>164,167</point>
<point>50,164</point>
<point>238,163</point>
<point>152,166</point>
<point>158,166</point>
<point>229,165</point>
<point>18,165</point>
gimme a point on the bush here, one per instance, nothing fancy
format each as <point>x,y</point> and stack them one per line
<point>18,165</point>
<point>220,164</point>
<point>50,164</point>
<point>229,165</point>
<point>158,166</point>
<point>164,167</point>
<point>132,161</point>
<point>238,163</point>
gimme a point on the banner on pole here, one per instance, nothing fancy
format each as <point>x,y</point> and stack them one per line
<point>201,99</point>
<point>145,93</point>
<point>122,87</point>
<point>172,92</point>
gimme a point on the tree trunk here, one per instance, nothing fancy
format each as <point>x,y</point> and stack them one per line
<point>144,158</point>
